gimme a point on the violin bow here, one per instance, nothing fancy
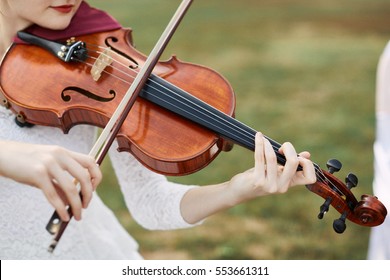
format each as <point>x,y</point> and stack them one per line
<point>102,145</point>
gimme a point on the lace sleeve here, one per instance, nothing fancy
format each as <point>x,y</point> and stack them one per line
<point>153,201</point>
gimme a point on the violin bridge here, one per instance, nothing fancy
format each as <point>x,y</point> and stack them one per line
<point>101,63</point>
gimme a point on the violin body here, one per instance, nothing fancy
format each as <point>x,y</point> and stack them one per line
<point>161,140</point>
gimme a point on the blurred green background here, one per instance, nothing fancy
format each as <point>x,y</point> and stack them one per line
<point>303,71</point>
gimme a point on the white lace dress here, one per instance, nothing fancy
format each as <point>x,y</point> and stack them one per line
<point>24,211</point>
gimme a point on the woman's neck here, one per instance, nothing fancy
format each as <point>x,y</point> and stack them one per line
<point>8,29</point>
<point>5,41</point>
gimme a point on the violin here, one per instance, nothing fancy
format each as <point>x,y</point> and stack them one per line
<point>181,120</point>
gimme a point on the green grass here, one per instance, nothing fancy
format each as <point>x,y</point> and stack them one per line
<point>303,71</point>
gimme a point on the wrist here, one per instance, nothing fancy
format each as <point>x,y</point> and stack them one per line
<point>234,194</point>
<point>240,189</point>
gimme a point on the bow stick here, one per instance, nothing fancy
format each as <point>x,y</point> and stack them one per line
<point>99,150</point>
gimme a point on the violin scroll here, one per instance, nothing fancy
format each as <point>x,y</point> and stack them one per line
<point>369,211</point>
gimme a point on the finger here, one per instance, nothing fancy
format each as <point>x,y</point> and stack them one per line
<point>308,170</point>
<point>96,175</point>
<point>80,167</point>
<point>82,183</point>
<point>259,156</point>
<point>90,164</point>
<point>305,154</point>
<point>270,162</point>
<point>291,165</point>
<point>67,185</point>
<point>48,189</point>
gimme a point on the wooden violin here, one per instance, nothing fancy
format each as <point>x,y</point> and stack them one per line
<point>182,119</point>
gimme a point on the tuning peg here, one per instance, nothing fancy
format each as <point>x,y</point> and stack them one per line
<point>351,180</point>
<point>324,207</point>
<point>339,225</point>
<point>333,165</point>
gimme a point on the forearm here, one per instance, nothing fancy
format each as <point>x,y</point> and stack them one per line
<point>200,203</point>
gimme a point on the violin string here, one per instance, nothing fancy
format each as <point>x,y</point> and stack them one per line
<point>116,76</point>
<point>207,113</point>
<point>319,172</point>
<point>248,134</point>
<point>244,134</point>
<point>320,176</point>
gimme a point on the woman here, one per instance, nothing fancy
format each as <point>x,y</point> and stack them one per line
<point>35,164</point>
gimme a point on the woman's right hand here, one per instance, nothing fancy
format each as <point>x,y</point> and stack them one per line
<point>48,168</point>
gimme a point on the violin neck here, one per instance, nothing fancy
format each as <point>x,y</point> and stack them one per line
<point>178,101</point>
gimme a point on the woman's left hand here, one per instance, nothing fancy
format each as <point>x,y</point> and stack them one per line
<point>267,176</point>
